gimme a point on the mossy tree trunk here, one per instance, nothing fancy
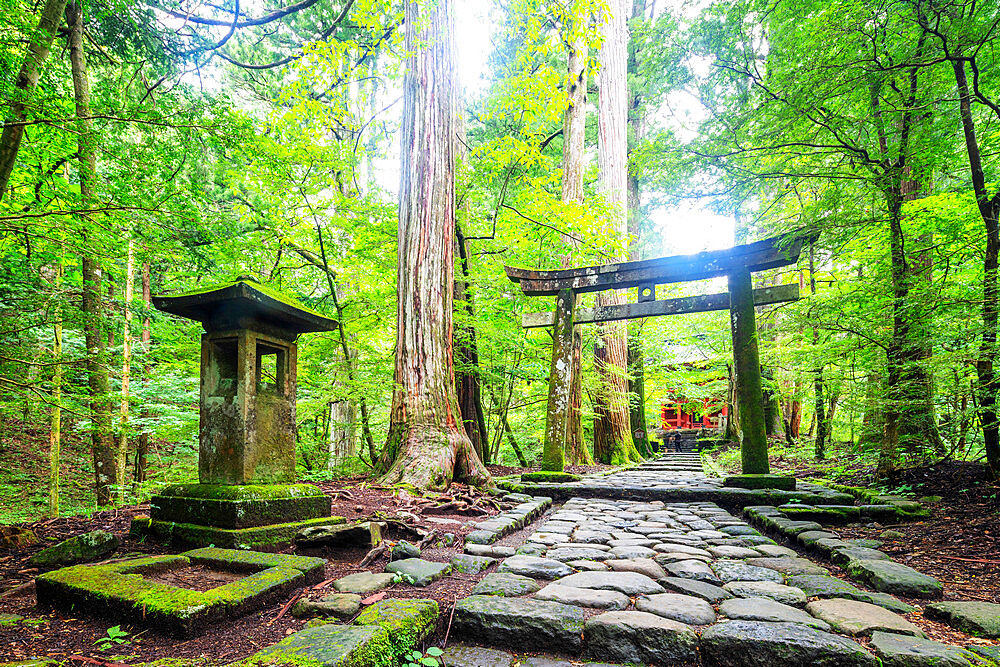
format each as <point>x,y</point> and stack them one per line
<point>27,80</point>
<point>55,418</point>
<point>426,445</point>
<point>819,405</point>
<point>142,444</point>
<point>102,439</point>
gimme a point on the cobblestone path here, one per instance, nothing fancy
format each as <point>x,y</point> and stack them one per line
<point>675,583</point>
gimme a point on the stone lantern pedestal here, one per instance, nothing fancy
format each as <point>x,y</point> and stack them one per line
<point>246,496</point>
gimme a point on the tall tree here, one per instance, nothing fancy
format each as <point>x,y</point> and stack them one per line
<point>426,444</point>
<point>613,434</point>
<point>962,30</point>
<point>102,438</point>
<point>574,165</point>
<point>637,126</point>
<point>27,79</point>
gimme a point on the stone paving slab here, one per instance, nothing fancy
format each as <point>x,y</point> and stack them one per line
<point>519,623</point>
<point>851,617</point>
<point>753,643</point>
<point>977,618</point>
<point>902,651</point>
<point>640,637</point>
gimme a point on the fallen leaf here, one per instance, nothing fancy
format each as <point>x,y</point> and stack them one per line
<point>371,599</point>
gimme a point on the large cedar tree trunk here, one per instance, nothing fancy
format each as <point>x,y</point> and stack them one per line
<point>426,445</point>
<point>574,132</point>
<point>102,440</point>
<point>615,445</point>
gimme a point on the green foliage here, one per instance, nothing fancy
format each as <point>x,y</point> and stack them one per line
<point>428,658</point>
<point>115,636</point>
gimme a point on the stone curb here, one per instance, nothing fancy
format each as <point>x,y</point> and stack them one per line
<point>508,521</point>
<point>875,568</point>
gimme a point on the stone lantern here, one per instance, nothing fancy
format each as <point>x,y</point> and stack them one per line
<point>246,456</point>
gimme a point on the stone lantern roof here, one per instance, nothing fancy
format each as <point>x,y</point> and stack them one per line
<point>244,303</point>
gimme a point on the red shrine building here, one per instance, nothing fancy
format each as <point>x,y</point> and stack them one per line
<point>678,412</point>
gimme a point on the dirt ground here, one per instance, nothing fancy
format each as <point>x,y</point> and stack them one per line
<point>959,544</point>
<point>60,635</point>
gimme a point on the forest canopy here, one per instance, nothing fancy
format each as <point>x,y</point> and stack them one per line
<point>155,148</point>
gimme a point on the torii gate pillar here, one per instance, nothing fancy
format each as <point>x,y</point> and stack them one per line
<point>750,397</point>
<point>560,384</point>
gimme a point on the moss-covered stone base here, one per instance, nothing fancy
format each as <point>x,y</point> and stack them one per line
<point>408,622</point>
<point>261,537</point>
<point>239,506</point>
<point>549,476</point>
<point>329,646</point>
<point>780,482</point>
<point>120,592</point>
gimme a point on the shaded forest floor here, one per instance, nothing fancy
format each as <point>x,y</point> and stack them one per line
<point>60,635</point>
<point>959,544</point>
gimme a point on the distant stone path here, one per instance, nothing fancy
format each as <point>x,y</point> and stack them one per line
<point>675,583</point>
<point>679,477</point>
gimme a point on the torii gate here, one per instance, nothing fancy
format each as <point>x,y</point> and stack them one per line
<point>736,263</point>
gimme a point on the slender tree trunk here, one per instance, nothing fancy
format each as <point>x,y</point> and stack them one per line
<point>102,440</point>
<point>27,79</point>
<point>122,453</point>
<point>142,445</point>
<point>426,444</point>
<point>612,162</point>
<point>820,402</point>
<point>636,133</point>
<point>470,399</point>
<point>574,133</point>
<point>55,418</point>
<point>989,211</point>
<point>467,380</point>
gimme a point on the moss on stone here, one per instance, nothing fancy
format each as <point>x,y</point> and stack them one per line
<point>277,295</point>
<point>407,622</point>
<point>246,506</point>
<point>253,561</point>
<point>761,481</point>
<point>79,549</point>
<point>242,491</point>
<point>329,645</point>
<point>119,590</point>
<point>549,476</point>
<point>240,538</point>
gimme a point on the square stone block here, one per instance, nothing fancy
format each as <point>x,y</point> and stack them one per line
<point>239,506</point>
<point>259,537</point>
<point>123,591</point>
